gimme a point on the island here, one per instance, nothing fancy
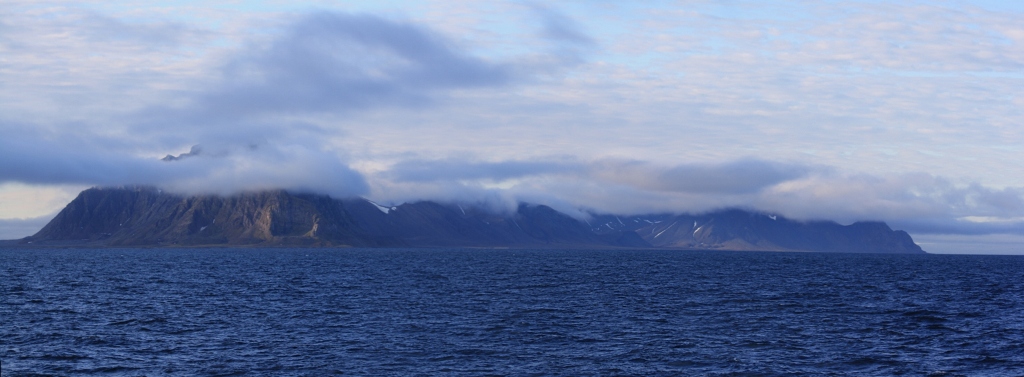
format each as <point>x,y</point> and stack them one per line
<point>150,217</point>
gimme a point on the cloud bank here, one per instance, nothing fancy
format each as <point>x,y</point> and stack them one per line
<point>917,202</point>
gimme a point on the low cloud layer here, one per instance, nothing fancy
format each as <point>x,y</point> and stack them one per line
<point>220,169</point>
<point>916,202</point>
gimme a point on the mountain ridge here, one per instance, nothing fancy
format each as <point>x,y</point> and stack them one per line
<point>148,217</point>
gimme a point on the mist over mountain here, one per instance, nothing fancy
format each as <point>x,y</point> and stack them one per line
<point>146,216</point>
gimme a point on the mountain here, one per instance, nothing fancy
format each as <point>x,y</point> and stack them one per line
<point>144,216</point>
<point>742,230</point>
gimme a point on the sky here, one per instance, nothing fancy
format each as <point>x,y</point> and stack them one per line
<point>905,112</point>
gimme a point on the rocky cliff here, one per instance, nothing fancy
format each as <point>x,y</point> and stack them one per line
<point>143,216</point>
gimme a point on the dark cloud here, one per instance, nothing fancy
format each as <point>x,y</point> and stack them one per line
<point>569,44</point>
<point>321,64</point>
<point>328,62</point>
<point>558,27</point>
<point>1007,201</point>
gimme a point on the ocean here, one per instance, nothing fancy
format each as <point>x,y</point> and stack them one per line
<point>427,312</point>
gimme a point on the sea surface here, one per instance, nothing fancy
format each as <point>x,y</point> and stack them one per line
<point>392,312</point>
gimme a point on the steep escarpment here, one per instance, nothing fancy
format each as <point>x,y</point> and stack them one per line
<point>147,216</point>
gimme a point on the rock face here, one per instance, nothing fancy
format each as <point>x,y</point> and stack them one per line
<point>142,216</point>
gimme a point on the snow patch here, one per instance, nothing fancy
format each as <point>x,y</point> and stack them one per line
<point>382,208</point>
<point>663,231</point>
<point>772,217</point>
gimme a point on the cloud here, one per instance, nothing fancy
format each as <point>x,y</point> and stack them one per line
<point>736,177</point>
<point>38,158</point>
<point>228,169</point>
<point>559,27</point>
<point>456,170</point>
<point>319,70</point>
<point>330,62</point>
<point>102,29</point>
<point>192,152</point>
<point>251,121</point>
<point>607,185</point>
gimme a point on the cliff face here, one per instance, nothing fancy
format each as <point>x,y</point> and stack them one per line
<point>142,216</point>
<point>145,216</point>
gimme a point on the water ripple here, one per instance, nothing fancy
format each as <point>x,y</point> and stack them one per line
<point>232,312</point>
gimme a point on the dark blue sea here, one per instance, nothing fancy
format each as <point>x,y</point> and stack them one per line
<point>388,312</point>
